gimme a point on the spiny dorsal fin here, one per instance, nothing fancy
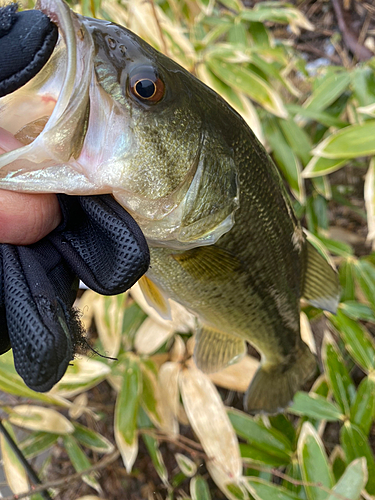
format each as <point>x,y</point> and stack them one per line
<point>320,286</point>
<point>207,262</point>
<point>154,297</point>
<point>214,350</point>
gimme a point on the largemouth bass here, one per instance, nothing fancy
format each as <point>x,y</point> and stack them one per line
<point>110,114</point>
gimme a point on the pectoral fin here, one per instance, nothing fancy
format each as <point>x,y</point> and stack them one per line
<point>214,350</point>
<point>320,286</point>
<point>208,262</point>
<point>154,297</point>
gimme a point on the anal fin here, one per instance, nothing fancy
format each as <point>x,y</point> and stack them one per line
<point>320,286</point>
<point>214,350</point>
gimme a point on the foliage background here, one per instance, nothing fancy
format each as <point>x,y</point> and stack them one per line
<point>150,423</point>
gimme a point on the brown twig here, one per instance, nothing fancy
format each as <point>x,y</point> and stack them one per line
<point>361,52</point>
<point>66,480</point>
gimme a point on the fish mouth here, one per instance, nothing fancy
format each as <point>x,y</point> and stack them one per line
<point>37,120</point>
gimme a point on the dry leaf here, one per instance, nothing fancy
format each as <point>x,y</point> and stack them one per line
<point>15,474</point>
<point>182,320</point>
<point>306,333</point>
<point>238,376</point>
<point>169,396</point>
<point>37,418</point>
<point>151,335</point>
<point>210,422</point>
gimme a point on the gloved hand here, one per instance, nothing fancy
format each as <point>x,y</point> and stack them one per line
<point>97,241</point>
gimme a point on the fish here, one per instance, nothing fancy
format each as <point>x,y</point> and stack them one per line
<point>110,114</point>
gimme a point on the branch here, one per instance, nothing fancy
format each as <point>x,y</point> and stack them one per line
<point>104,462</point>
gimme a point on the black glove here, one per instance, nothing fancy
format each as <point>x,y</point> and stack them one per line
<point>98,242</point>
<point>27,40</point>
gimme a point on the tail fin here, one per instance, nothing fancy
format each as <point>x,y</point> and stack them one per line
<point>274,386</point>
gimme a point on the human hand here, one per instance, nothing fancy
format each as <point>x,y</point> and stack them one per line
<point>25,218</point>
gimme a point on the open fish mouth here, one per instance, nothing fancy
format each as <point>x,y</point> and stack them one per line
<point>43,124</point>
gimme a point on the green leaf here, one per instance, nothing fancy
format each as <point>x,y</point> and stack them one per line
<point>322,166</point>
<point>80,461</point>
<point>319,116</point>
<point>363,82</point>
<point>11,383</point>
<point>316,407</point>
<point>126,411</point>
<point>349,142</point>
<point>336,247</point>
<point>199,489</point>
<point>363,408</point>
<point>338,461</point>
<point>285,158</point>
<point>347,280</point>
<point>249,82</point>
<point>297,138</point>
<point>322,186</point>
<point>149,394</point>
<point>36,443</point>
<point>355,445</point>
<point>251,454</point>
<point>365,274</point>
<point>352,482</point>
<point>337,374</point>
<point>313,463</point>
<point>269,441</point>
<point>358,342</point>
<point>262,490</point>
<point>327,90</point>
<point>357,311</point>
<point>92,439</point>
<point>294,472</point>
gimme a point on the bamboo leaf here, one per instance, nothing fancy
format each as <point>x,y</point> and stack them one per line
<point>349,142</point>
<point>337,374</point>
<point>355,445</point>
<point>319,166</point>
<point>80,461</point>
<point>36,443</point>
<point>327,90</point>
<point>187,466</point>
<point>210,422</point>
<point>362,411</point>
<point>269,441</point>
<point>92,439</point>
<point>126,410</point>
<point>199,489</point>
<point>358,342</point>
<point>37,418</point>
<point>352,481</point>
<point>15,474</point>
<point>313,462</point>
<point>262,490</point>
<point>316,407</point>
<point>250,83</point>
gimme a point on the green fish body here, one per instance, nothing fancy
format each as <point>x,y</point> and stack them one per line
<point>224,240</point>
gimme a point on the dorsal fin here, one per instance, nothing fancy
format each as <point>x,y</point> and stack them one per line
<point>320,282</point>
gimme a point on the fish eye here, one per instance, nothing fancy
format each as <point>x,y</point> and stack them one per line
<point>147,86</point>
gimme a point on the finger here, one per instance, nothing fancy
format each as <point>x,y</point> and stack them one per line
<point>26,218</point>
